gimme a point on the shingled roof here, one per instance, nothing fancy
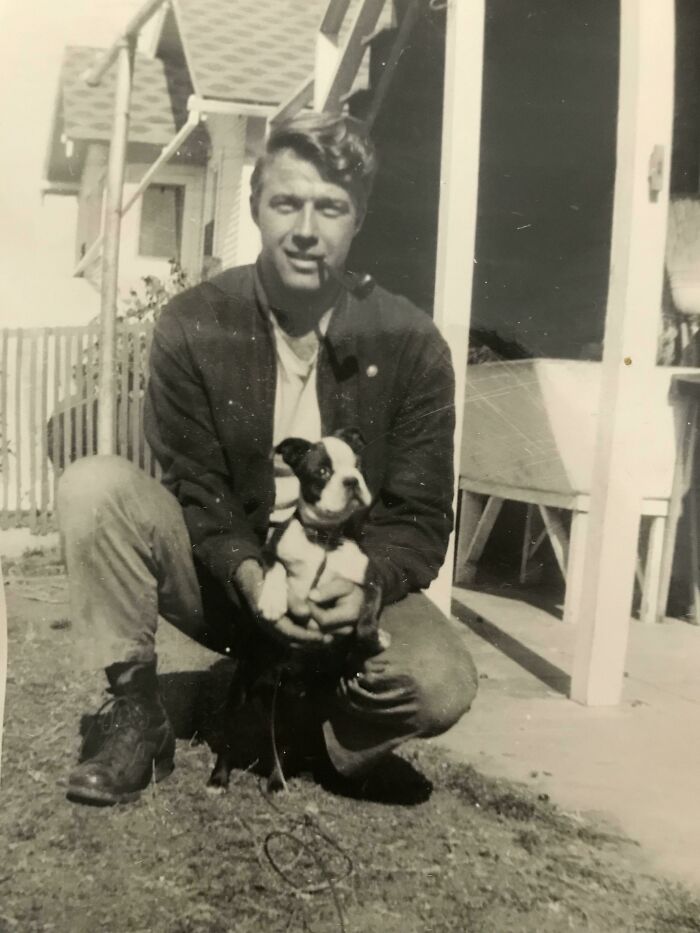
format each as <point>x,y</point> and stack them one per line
<point>254,51</point>
<point>84,114</point>
<point>245,51</point>
<point>158,100</point>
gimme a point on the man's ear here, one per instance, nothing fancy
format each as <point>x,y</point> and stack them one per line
<point>352,437</point>
<point>254,209</point>
<point>293,450</point>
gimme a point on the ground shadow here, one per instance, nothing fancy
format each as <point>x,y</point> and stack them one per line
<point>196,705</point>
<point>549,674</point>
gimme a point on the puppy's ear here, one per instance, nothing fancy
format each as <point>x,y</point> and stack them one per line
<point>293,450</point>
<point>352,437</point>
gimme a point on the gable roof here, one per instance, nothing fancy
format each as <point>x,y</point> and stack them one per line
<point>158,99</point>
<point>254,51</point>
<point>243,51</point>
<point>84,113</point>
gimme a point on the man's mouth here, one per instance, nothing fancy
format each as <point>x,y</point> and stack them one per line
<point>304,261</point>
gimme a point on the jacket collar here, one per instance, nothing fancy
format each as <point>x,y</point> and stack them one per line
<point>339,340</point>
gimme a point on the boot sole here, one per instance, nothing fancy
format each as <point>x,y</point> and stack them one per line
<point>98,798</point>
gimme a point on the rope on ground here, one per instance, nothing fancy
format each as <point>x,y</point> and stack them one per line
<point>294,833</point>
<point>330,882</point>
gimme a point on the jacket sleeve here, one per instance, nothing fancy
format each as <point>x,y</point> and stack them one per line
<point>181,432</point>
<point>409,526</point>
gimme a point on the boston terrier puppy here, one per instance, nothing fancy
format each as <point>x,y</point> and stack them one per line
<point>308,550</point>
<point>313,546</point>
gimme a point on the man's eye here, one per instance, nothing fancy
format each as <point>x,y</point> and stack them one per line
<point>284,205</point>
<point>334,210</point>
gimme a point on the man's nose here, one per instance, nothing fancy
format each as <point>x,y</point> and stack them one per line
<point>305,233</point>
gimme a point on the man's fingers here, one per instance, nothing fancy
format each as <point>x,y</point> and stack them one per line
<point>333,616</point>
<point>331,590</point>
<point>341,631</point>
<point>297,633</point>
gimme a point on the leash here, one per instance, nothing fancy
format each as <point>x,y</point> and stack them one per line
<point>311,826</point>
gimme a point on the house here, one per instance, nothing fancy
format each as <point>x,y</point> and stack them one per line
<point>222,65</point>
<point>567,154</point>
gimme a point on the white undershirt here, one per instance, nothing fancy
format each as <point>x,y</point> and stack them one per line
<point>297,412</point>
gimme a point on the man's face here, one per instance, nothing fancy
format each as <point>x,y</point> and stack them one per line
<point>305,223</point>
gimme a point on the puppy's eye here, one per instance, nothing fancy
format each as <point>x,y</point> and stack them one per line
<point>324,472</point>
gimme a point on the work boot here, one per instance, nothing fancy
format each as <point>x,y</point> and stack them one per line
<point>137,741</point>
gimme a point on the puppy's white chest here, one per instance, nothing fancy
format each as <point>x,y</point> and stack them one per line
<point>297,552</point>
<point>346,561</point>
<point>308,564</point>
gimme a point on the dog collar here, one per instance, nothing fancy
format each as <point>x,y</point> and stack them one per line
<point>327,538</point>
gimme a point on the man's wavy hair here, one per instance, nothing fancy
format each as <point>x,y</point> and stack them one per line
<point>339,147</point>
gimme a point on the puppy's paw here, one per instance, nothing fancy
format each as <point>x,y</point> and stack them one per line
<point>383,639</point>
<point>272,602</point>
<point>219,778</point>
<point>272,606</point>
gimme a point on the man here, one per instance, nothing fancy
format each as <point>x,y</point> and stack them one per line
<point>238,364</point>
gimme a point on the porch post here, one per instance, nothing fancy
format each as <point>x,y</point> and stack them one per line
<point>106,405</point>
<point>632,321</point>
<point>459,185</point>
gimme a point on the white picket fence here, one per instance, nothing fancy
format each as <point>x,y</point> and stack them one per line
<point>48,411</point>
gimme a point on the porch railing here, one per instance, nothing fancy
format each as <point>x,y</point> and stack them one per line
<point>48,411</point>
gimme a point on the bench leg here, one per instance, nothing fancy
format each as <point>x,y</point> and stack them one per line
<point>474,531</point>
<point>527,543</point>
<point>682,475</point>
<point>574,566</point>
<point>652,571</point>
<point>557,536</point>
<point>693,517</point>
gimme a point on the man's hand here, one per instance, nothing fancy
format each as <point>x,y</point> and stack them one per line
<point>249,580</point>
<point>336,605</point>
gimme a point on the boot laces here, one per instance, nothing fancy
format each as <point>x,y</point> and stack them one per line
<point>120,721</point>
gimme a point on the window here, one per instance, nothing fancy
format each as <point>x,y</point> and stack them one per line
<point>161,221</point>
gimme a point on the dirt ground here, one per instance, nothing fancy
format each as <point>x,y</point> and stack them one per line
<point>430,846</point>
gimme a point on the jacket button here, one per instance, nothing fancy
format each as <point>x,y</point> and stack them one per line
<point>372,371</point>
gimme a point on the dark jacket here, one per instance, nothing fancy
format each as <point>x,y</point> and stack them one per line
<point>382,367</point>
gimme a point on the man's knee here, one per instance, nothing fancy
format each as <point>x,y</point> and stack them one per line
<point>428,649</point>
<point>444,693</point>
<point>91,481</point>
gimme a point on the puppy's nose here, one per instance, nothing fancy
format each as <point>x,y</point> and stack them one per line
<point>351,482</point>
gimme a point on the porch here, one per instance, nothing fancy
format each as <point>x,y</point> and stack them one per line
<point>634,765</point>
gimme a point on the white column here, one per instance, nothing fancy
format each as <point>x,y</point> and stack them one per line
<point>107,402</point>
<point>634,300</point>
<point>228,145</point>
<point>459,185</point>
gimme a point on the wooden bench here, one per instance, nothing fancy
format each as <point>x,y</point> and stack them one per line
<point>529,429</point>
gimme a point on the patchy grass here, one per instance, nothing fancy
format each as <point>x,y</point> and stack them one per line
<point>468,854</point>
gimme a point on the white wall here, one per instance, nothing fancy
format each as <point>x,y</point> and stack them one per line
<point>134,267</point>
